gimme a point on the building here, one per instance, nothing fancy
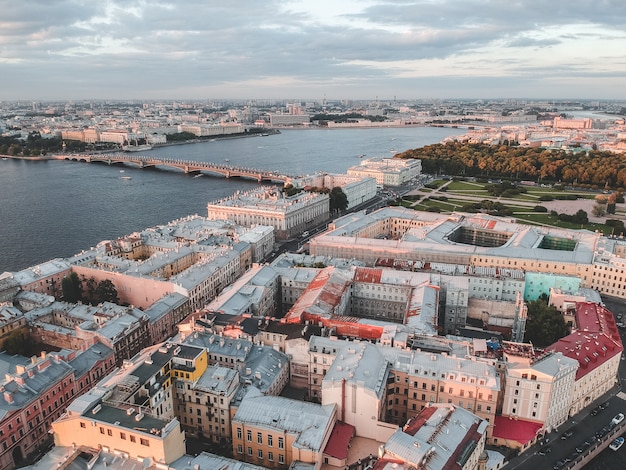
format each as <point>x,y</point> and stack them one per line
<point>289,215</point>
<point>388,171</point>
<point>276,431</point>
<point>596,345</point>
<point>33,393</point>
<point>537,391</point>
<point>357,189</point>
<point>135,435</point>
<point>440,437</point>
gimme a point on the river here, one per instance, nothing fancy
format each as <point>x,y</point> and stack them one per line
<point>54,209</point>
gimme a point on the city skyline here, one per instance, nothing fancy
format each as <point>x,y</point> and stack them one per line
<point>312,50</point>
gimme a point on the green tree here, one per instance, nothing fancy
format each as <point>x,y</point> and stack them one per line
<point>90,291</point>
<point>16,343</point>
<point>72,288</point>
<point>545,324</point>
<point>338,200</point>
<point>106,292</point>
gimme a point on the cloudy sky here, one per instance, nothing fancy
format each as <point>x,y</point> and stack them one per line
<point>311,49</point>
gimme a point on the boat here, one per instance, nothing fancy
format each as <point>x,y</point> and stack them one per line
<point>136,148</point>
<point>126,177</point>
<point>227,160</point>
<point>198,175</point>
<point>392,149</point>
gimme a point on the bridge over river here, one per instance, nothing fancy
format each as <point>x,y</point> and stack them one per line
<point>144,161</point>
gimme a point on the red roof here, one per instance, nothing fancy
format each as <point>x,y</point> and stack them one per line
<point>371,275</point>
<point>518,430</point>
<point>339,440</point>
<point>416,423</point>
<point>594,342</point>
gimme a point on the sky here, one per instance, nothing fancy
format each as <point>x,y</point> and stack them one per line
<point>312,49</point>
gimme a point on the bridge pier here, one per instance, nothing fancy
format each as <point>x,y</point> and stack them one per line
<point>186,169</point>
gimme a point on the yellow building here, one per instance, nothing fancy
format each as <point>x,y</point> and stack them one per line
<point>134,434</point>
<point>276,431</point>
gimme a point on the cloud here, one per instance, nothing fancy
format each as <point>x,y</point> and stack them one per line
<point>53,49</point>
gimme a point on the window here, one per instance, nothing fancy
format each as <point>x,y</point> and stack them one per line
<point>123,436</point>
<point>250,451</point>
<point>132,438</point>
<point>260,453</point>
<point>249,435</point>
<point>259,438</point>
<point>101,430</point>
<point>270,456</point>
<point>281,458</point>
<point>83,425</point>
<point>144,442</point>
<point>110,432</point>
<point>240,448</point>
<point>281,443</point>
<point>239,433</point>
<point>270,441</point>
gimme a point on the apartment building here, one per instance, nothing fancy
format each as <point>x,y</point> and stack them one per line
<point>596,345</point>
<point>44,278</point>
<point>203,407</point>
<point>275,432</point>
<point>289,215</point>
<point>33,393</point>
<point>440,437</point>
<point>538,390</point>
<point>136,435</point>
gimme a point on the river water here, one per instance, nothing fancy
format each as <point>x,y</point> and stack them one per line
<point>53,209</point>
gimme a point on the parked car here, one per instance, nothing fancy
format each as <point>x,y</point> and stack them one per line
<point>567,434</point>
<point>617,443</point>
<point>544,450</point>
<point>619,417</point>
<point>595,411</point>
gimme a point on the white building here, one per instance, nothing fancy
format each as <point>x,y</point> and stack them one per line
<point>289,215</point>
<point>388,171</point>
<point>358,189</point>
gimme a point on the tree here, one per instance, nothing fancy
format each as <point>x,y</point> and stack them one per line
<point>90,294</point>
<point>338,200</point>
<point>545,324</point>
<point>106,292</point>
<point>16,343</point>
<point>598,210</point>
<point>72,288</point>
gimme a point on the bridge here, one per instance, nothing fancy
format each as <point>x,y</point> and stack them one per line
<point>144,161</point>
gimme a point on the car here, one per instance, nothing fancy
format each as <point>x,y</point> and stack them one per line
<point>567,434</point>
<point>619,417</point>
<point>604,405</point>
<point>544,450</point>
<point>595,411</point>
<point>617,443</point>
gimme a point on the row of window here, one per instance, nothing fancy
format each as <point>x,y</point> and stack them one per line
<point>259,438</point>
<point>270,454</point>
<point>123,436</point>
